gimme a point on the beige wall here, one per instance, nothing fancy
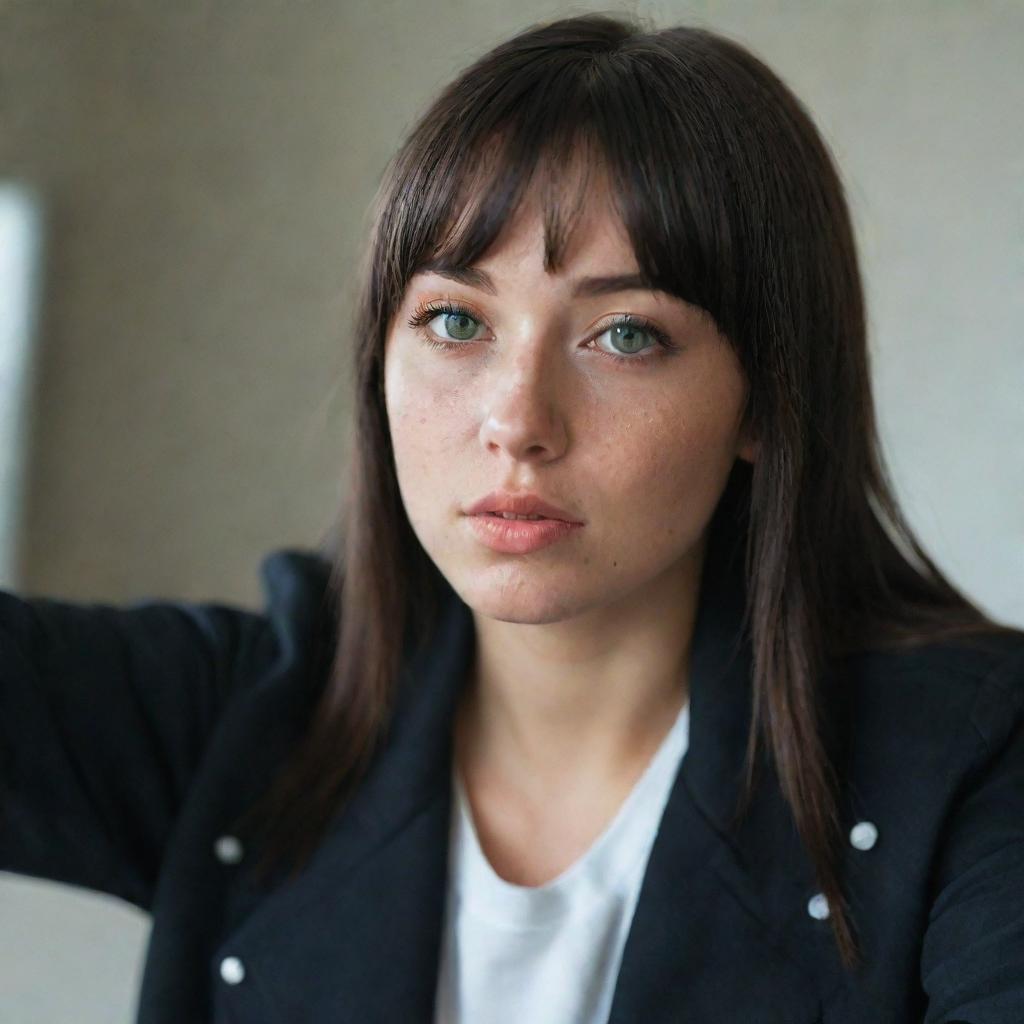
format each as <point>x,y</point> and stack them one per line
<point>206,168</point>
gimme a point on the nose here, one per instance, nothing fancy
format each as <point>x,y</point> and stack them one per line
<point>522,413</point>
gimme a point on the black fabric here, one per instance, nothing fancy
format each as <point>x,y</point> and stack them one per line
<point>131,737</point>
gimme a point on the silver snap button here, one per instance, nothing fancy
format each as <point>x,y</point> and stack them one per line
<point>228,850</point>
<point>232,970</point>
<point>817,907</point>
<point>863,835</point>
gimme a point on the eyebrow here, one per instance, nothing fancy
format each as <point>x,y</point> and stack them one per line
<point>583,286</point>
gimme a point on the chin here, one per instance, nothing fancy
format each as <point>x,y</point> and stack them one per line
<point>518,601</point>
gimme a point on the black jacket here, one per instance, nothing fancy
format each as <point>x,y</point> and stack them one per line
<point>130,736</point>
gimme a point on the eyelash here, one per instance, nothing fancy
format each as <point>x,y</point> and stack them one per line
<point>424,314</point>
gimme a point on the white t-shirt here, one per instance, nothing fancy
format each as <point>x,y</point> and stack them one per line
<point>548,954</point>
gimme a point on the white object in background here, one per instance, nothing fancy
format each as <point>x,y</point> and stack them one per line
<point>20,266</point>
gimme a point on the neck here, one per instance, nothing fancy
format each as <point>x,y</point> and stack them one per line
<point>580,702</point>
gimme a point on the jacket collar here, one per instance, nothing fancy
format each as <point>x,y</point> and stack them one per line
<point>357,936</point>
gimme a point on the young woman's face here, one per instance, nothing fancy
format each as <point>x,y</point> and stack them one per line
<point>540,392</point>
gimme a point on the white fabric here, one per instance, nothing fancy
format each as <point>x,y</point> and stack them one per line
<point>548,954</point>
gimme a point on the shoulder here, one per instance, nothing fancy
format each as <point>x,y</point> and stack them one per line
<point>298,619</point>
<point>917,721</point>
<point>296,581</point>
<point>971,676</point>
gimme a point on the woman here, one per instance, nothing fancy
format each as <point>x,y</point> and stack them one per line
<point>711,738</point>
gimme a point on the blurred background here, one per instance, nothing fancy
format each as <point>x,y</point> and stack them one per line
<point>183,197</point>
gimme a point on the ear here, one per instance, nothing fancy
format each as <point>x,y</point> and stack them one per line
<point>747,449</point>
<point>746,441</point>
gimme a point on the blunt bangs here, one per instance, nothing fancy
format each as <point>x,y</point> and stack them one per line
<point>566,129</point>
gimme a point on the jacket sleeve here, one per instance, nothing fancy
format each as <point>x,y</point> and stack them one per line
<point>105,714</point>
<point>972,965</point>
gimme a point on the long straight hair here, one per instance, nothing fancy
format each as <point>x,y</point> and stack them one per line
<point>732,202</point>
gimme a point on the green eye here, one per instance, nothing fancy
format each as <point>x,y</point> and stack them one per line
<point>459,323</point>
<point>628,337</point>
<point>461,326</point>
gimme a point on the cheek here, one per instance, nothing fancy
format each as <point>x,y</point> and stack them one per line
<point>670,456</point>
<point>423,422</point>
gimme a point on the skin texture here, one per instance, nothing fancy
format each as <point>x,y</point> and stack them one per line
<point>582,646</point>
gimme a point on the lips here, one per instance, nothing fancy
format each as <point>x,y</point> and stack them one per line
<point>519,536</point>
<point>523,504</point>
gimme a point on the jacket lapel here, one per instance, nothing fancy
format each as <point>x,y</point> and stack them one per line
<point>709,938</point>
<point>720,931</point>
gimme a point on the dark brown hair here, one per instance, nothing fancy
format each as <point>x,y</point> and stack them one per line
<point>731,202</point>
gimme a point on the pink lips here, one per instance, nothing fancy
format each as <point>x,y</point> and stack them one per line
<point>519,536</point>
